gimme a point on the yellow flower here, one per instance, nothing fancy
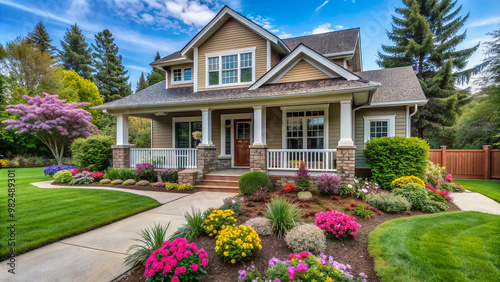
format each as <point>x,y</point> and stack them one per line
<point>233,261</point>
<point>243,254</point>
<point>226,254</point>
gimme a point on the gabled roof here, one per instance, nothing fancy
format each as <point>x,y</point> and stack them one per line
<point>220,19</point>
<point>302,51</point>
<point>341,42</point>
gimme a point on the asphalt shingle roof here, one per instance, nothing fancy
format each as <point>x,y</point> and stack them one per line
<point>327,43</point>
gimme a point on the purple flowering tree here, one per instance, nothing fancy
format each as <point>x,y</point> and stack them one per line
<point>53,121</point>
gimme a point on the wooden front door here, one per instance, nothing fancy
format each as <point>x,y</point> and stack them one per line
<point>242,130</point>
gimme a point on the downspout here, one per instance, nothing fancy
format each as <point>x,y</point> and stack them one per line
<point>354,114</point>
<point>408,122</point>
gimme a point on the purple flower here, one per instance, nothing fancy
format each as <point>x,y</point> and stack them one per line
<point>363,275</point>
<point>233,201</point>
<point>273,261</point>
<point>243,274</point>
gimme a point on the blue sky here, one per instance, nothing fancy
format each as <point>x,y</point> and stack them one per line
<point>142,27</point>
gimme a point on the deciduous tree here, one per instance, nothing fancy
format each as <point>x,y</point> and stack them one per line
<point>141,84</point>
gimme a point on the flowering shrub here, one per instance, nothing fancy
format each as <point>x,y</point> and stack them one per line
<point>289,187</point>
<point>169,175</point>
<point>306,237</point>
<point>442,193</point>
<point>185,187</point>
<point>237,244</point>
<point>218,220</point>
<point>74,171</point>
<point>63,176</point>
<point>97,175</point>
<point>176,261</point>
<point>129,182</point>
<point>3,162</point>
<point>143,183</point>
<point>365,187</point>
<point>117,182</point>
<point>346,189</point>
<point>434,173</point>
<point>303,177</point>
<point>171,186</point>
<point>328,183</point>
<point>159,184</point>
<point>233,204</point>
<point>337,225</point>
<point>249,275</point>
<point>146,171</point>
<point>261,225</point>
<point>51,170</point>
<point>82,178</point>
<point>398,182</point>
<point>306,267</point>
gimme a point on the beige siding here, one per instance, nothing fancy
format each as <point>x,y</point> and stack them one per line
<point>230,36</point>
<point>275,57</point>
<point>302,71</point>
<point>339,62</point>
<point>162,129</point>
<point>274,128</point>
<point>334,125</point>
<point>182,66</point>
<point>400,129</point>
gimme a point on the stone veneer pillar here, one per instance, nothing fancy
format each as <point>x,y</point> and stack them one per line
<point>206,159</point>
<point>346,163</point>
<point>258,158</point>
<point>121,155</point>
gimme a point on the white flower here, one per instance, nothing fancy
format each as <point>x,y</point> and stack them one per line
<point>356,180</point>
<point>364,190</point>
<point>350,186</point>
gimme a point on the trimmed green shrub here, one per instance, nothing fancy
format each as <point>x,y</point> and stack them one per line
<point>63,176</point>
<point>253,181</point>
<point>393,157</point>
<point>261,225</point>
<point>306,238</point>
<point>420,198</point>
<point>94,153</point>
<point>388,202</point>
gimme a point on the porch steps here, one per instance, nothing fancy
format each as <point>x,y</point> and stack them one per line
<point>219,183</point>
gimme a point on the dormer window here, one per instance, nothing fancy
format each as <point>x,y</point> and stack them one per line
<point>228,68</point>
<point>180,76</point>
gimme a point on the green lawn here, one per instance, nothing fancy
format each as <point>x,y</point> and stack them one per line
<point>48,215</point>
<point>489,188</point>
<point>450,246</point>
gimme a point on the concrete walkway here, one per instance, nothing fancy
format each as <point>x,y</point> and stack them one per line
<point>472,201</point>
<point>98,255</point>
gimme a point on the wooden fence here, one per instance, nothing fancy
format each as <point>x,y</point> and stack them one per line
<point>478,164</point>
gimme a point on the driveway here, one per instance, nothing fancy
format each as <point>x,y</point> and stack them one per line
<point>98,255</point>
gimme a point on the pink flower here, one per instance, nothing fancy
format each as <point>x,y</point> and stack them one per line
<point>449,178</point>
<point>180,270</point>
<point>291,271</point>
<point>193,247</point>
<point>204,262</point>
<point>302,267</point>
<point>175,279</point>
<point>187,254</point>
<point>242,199</point>
<point>194,267</point>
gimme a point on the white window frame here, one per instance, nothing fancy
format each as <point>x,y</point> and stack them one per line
<point>237,52</point>
<point>391,125</point>
<point>320,107</point>
<point>232,117</point>
<point>182,81</point>
<point>182,119</point>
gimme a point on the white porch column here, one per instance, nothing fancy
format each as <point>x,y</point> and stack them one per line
<point>346,123</point>
<point>121,129</point>
<point>206,123</point>
<point>259,125</point>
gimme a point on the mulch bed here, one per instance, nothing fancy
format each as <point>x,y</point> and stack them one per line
<point>353,252</point>
<point>132,187</point>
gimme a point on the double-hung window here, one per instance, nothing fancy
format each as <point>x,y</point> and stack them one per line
<point>231,67</point>
<point>183,133</point>
<point>305,129</point>
<point>180,76</point>
<point>379,126</point>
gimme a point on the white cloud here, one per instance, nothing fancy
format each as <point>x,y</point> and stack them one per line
<point>284,35</point>
<point>138,68</point>
<point>321,6</point>
<point>484,22</point>
<point>37,11</point>
<point>337,27</point>
<point>78,8</point>
<point>322,28</point>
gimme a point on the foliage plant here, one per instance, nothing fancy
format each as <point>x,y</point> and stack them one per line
<point>51,170</point>
<point>398,182</point>
<point>51,120</point>
<point>193,227</point>
<point>143,183</point>
<point>217,220</point>
<point>388,202</point>
<point>176,261</point>
<point>129,182</point>
<point>303,177</point>
<point>337,225</point>
<point>366,186</point>
<point>82,178</point>
<point>362,211</point>
<point>105,181</point>
<point>171,186</point>
<point>306,238</point>
<point>236,244</point>
<point>185,187</point>
<point>150,239</point>
<point>451,187</point>
<point>306,267</point>
<point>94,152</point>
<point>346,189</point>
<point>283,215</point>
<point>393,157</point>
<point>253,181</point>
<point>289,187</point>
<point>233,204</point>
<point>328,183</point>
<point>159,184</point>
<point>117,182</point>
<point>120,173</point>
<point>146,171</point>
<point>169,175</point>
<point>419,198</point>
<point>261,195</point>
<point>261,225</point>
<point>63,176</point>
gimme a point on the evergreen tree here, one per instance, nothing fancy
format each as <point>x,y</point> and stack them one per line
<point>110,76</point>
<point>40,38</point>
<point>156,75</point>
<point>492,60</point>
<point>142,84</point>
<point>76,54</point>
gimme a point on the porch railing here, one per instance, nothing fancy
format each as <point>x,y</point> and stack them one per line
<point>164,158</point>
<point>315,160</point>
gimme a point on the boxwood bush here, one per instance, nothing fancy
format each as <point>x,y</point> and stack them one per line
<point>94,153</point>
<point>253,181</point>
<point>393,157</point>
<point>388,202</point>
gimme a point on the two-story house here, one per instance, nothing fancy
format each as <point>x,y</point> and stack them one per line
<point>265,103</point>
